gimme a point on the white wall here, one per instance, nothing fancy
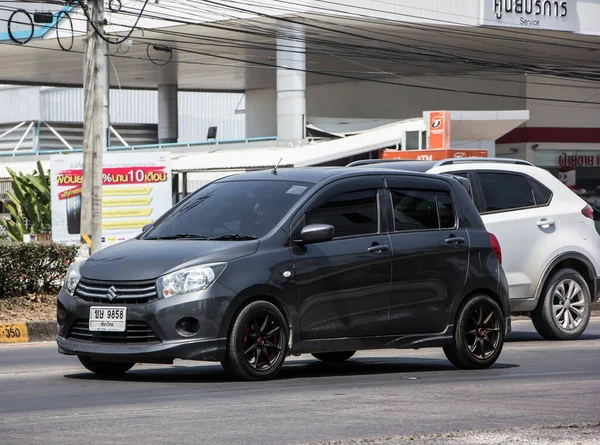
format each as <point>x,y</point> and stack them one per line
<point>549,114</point>
<point>261,113</point>
<point>369,100</point>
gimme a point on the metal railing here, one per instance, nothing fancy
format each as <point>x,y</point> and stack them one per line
<point>17,149</point>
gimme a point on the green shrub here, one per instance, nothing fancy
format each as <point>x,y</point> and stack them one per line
<point>33,268</point>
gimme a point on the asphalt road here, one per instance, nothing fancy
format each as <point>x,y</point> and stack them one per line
<point>47,398</point>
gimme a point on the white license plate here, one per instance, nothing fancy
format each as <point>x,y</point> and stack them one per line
<point>108,319</point>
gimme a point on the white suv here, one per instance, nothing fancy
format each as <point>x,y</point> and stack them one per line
<point>550,247</point>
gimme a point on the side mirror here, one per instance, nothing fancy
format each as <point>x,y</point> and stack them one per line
<point>146,227</point>
<point>317,233</point>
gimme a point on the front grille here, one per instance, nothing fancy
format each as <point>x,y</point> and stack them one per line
<point>136,332</point>
<point>133,292</point>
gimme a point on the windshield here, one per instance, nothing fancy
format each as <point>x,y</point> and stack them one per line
<point>230,211</point>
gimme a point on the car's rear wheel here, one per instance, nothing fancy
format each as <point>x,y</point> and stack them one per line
<point>257,344</point>
<point>334,357</point>
<point>478,334</point>
<point>563,313</point>
<point>105,368</point>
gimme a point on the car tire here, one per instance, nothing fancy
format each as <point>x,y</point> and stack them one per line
<point>563,312</point>
<point>257,343</point>
<point>105,368</point>
<point>478,334</point>
<point>334,357</point>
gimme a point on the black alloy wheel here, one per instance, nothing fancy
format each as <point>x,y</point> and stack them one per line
<point>478,334</point>
<point>258,343</point>
<point>483,332</point>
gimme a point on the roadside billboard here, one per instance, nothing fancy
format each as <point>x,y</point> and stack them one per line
<point>136,191</point>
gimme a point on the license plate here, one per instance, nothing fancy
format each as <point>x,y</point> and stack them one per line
<point>108,319</point>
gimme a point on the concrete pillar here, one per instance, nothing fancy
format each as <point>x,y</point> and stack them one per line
<point>168,113</point>
<point>291,86</point>
<point>168,117</point>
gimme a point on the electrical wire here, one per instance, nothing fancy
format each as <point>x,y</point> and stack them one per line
<point>271,66</point>
<point>58,38</point>
<point>159,48</point>
<point>588,105</point>
<point>532,69</point>
<point>10,23</point>
<point>452,55</point>
<point>100,34</point>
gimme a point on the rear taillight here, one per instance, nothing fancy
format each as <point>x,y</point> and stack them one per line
<point>588,212</point>
<point>496,247</point>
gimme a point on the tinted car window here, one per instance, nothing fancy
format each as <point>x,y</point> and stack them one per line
<point>414,210</point>
<point>251,208</point>
<point>446,210</point>
<point>422,210</point>
<point>353,213</point>
<point>541,194</point>
<point>505,191</point>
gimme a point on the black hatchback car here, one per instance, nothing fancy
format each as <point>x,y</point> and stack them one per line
<point>257,266</point>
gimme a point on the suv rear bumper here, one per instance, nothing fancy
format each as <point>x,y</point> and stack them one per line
<point>597,289</point>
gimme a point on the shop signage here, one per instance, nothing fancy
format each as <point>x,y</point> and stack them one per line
<point>432,155</point>
<point>136,191</point>
<point>578,160</point>
<point>556,15</point>
<point>439,130</point>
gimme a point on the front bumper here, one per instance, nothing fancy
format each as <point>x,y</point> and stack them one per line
<point>166,352</point>
<point>159,318</point>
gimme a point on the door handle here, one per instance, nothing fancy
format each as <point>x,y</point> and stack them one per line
<point>545,222</point>
<point>455,240</point>
<point>378,249</point>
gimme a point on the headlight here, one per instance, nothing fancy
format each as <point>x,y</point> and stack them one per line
<point>72,278</point>
<point>190,280</point>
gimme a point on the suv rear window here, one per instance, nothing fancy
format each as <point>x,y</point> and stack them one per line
<point>505,191</point>
<point>422,210</point>
<point>541,194</point>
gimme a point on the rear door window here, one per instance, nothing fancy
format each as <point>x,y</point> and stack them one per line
<point>541,194</point>
<point>505,191</point>
<point>422,210</point>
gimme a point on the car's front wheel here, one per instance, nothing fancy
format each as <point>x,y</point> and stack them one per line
<point>478,334</point>
<point>105,368</point>
<point>334,357</point>
<point>564,310</point>
<point>257,344</point>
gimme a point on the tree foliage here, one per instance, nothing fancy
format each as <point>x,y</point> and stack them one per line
<point>30,199</point>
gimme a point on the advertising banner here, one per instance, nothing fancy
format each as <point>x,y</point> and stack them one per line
<point>136,191</point>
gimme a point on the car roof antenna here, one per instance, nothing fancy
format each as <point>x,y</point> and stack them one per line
<point>274,172</point>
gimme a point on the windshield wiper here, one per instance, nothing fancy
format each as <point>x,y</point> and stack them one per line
<point>233,237</point>
<point>179,236</point>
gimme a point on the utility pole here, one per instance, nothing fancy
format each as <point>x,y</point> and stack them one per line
<point>93,137</point>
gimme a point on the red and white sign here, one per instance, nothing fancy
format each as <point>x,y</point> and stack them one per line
<point>439,130</point>
<point>433,155</point>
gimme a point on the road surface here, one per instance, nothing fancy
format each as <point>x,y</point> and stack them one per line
<point>48,398</point>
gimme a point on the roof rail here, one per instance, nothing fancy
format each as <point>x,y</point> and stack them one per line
<point>372,161</point>
<point>497,160</point>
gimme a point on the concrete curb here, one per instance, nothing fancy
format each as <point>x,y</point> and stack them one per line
<point>29,331</point>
